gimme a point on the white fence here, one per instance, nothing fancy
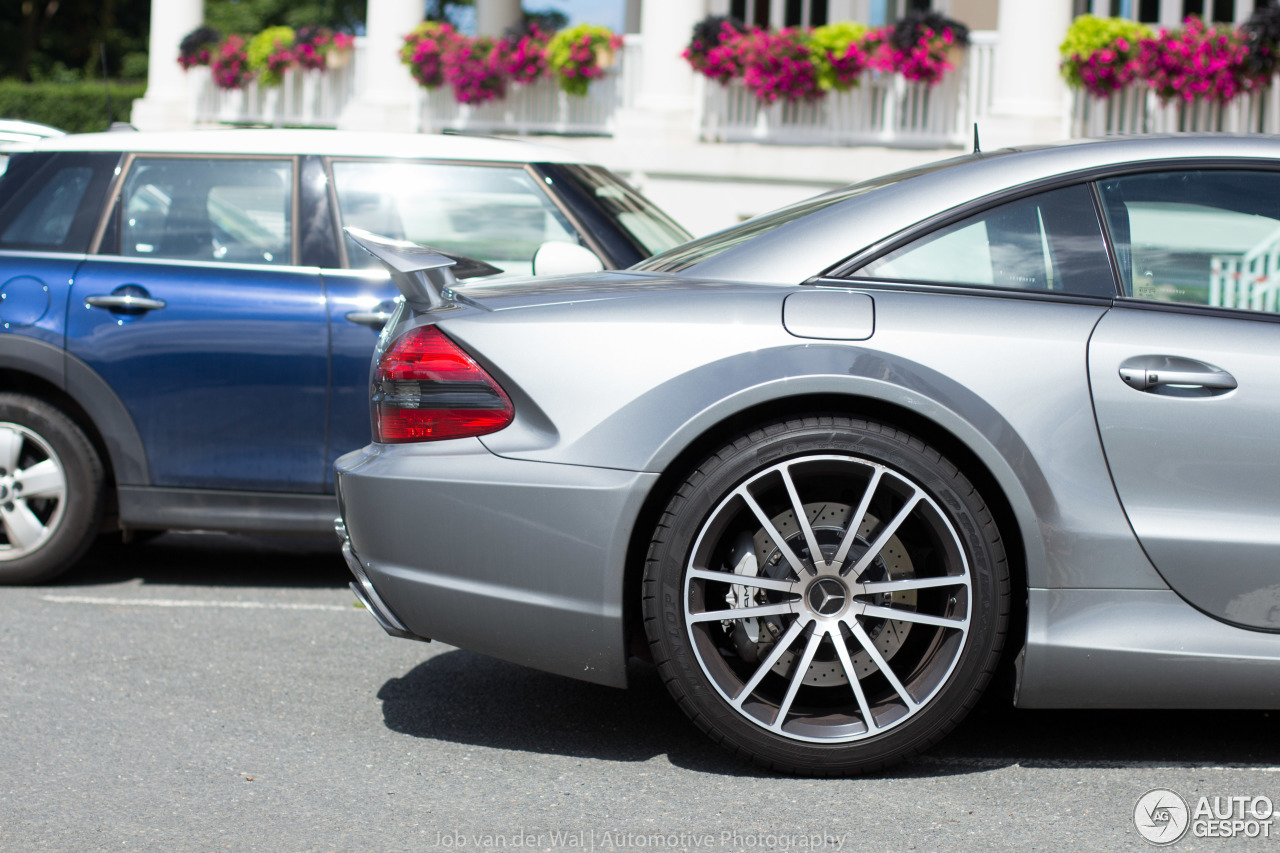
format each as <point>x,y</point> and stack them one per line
<point>303,98</point>
<point>885,109</point>
<point>540,106</point>
<point>1247,281</point>
<point>1137,109</point>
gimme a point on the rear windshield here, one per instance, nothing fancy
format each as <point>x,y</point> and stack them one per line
<point>627,224</point>
<point>682,257</point>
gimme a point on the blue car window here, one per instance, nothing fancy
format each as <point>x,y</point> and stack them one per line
<point>52,202</point>
<point>48,217</point>
<point>215,210</point>
<point>496,214</point>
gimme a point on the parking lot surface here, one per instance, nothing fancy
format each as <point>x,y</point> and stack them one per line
<point>209,692</point>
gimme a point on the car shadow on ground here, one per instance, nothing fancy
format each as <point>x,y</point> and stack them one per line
<point>214,559</point>
<point>467,698</point>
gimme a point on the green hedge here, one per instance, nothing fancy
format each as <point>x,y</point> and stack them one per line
<point>73,107</point>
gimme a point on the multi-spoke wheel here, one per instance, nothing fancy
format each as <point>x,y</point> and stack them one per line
<point>50,490</point>
<point>826,596</point>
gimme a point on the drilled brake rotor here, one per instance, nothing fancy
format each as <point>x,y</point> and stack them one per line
<point>754,638</point>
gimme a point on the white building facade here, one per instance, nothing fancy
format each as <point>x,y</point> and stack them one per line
<point>707,153</point>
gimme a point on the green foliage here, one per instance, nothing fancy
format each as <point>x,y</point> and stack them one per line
<point>1089,33</point>
<point>261,48</point>
<point>251,16</point>
<point>832,40</point>
<point>548,20</point>
<point>579,54</point>
<point>76,107</point>
<point>41,38</point>
<point>134,66</point>
<point>55,73</point>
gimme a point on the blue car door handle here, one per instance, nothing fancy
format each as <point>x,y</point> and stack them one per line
<point>125,301</point>
<point>1149,372</point>
<point>372,319</point>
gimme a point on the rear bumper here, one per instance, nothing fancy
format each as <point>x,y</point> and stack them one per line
<point>367,595</point>
<point>520,560</point>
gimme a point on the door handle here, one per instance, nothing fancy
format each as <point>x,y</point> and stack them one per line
<point>372,319</point>
<point>1150,372</point>
<point>125,301</point>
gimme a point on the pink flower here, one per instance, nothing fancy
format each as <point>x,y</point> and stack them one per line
<point>1197,61</point>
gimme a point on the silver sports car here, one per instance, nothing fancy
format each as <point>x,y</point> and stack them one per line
<point>830,467</point>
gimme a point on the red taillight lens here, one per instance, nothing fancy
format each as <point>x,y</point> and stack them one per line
<point>427,389</point>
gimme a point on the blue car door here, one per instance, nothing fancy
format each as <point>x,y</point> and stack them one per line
<point>196,313</point>
<point>50,206</point>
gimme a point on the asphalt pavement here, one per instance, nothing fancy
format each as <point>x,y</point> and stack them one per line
<point>207,692</point>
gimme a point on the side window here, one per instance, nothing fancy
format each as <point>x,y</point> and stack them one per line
<point>1048,242</point>
<point>1198,237</point>
<point>496,214</point>
<point>222,211</point>
<point>55,207</point>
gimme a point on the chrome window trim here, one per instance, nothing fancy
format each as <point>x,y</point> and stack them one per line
<point>370,273</point>
<point>881,284</point>
<point>52,256</point>
<point>204,265</point>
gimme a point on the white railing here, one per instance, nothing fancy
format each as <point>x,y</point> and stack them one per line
<point>885,109</point>
<point>1247,281</point>
<point>303,98</point>
<point>540,106</point>
<point>1137,109</point>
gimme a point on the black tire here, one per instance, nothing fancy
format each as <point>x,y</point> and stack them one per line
<point>837,674</point>
<point>50,491</point>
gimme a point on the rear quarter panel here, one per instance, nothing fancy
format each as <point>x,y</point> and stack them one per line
<point>629,380</point>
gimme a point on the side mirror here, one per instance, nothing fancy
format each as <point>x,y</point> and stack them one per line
<point>555,258</point>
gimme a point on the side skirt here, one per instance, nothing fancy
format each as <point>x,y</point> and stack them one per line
<point>1141,648</point>
<point>236,512</point>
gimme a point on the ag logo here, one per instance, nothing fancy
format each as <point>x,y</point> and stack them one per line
<point>1161,816</point>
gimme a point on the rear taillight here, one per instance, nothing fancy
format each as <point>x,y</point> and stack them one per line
<point>427,389</point>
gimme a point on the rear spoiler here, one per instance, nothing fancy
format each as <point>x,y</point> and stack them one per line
<point>424,275</point>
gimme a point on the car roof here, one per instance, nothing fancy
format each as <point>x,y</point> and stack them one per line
<point>14,130</point>
<point>336,143</point>
<point>811,244</point>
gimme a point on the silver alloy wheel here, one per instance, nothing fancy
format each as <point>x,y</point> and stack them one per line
<point>33,491</point>
<point>828,598</point>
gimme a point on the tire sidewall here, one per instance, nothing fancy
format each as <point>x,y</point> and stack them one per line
<point>82,502</point>
<point>724,471</point>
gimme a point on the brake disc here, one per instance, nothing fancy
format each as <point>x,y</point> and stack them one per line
<point>754,638</point>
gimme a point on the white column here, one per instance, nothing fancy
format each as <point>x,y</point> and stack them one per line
<point>666,80</point>
<point>1029,92</point>
<point>663,110</point>
<point>494,17</point>
<point>386,95</point>
<point>849,10</point>
<point>168,104</point>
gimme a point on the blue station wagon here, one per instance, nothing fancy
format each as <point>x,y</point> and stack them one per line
<point>185,335</point>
